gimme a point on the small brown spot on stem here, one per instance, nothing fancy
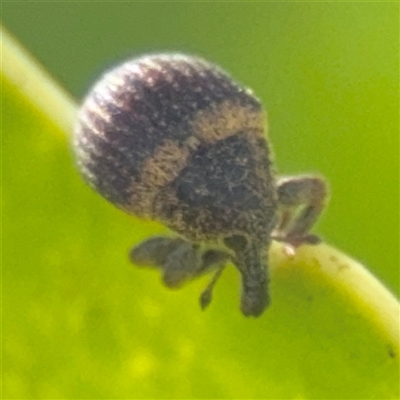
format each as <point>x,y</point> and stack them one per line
<point>391,352</point>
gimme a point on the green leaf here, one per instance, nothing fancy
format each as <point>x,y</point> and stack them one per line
<point>80,322</point>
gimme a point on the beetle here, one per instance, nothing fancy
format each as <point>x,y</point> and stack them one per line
<point>173,138</point>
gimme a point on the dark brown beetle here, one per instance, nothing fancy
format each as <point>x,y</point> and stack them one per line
<point>173,138</point>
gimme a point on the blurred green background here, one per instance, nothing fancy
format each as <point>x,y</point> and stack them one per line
<point>328,74</point>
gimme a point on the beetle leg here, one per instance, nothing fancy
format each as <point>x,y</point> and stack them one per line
<point>301,201</point>
<point>154,251</point>
<point>212,259</point>
<point>180,261</point>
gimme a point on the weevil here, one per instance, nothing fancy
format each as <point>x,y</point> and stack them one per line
<point>174,138</point>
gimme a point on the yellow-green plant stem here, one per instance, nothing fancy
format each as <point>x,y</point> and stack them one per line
<point>37,86</point>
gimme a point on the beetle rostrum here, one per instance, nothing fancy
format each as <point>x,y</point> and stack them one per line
<point>173,138</point>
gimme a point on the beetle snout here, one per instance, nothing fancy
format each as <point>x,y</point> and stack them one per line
<point>255,301</point>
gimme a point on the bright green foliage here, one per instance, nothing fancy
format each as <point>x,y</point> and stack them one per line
<point>80,322</point>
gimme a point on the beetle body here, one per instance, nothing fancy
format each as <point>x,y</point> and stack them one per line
<point>173,138</point>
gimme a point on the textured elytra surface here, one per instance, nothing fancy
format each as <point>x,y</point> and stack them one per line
<point>173,138</point>
<point>135,108</point>
<point>220,189</point>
